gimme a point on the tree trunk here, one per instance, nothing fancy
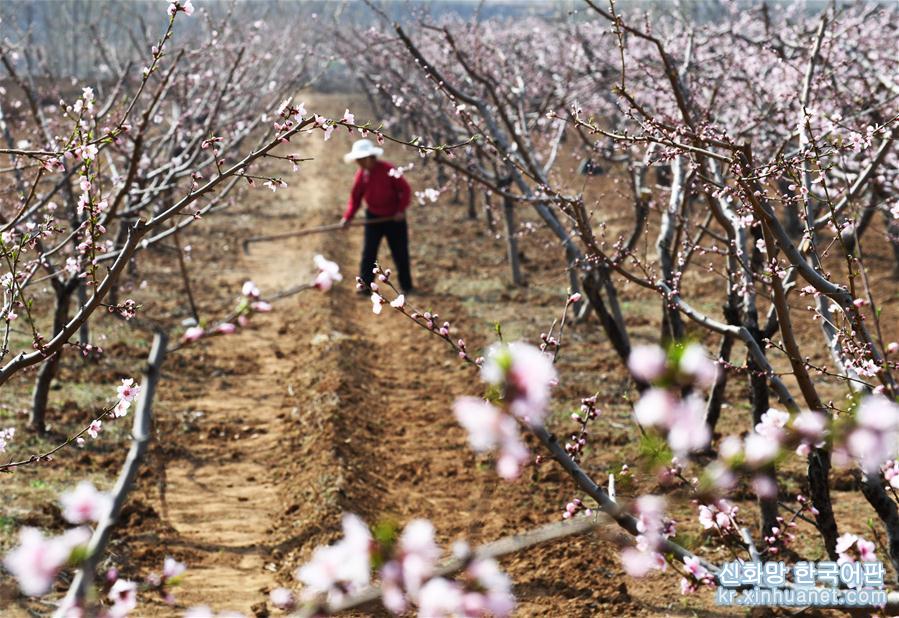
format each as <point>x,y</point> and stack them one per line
<point>47,372</point>
<point>185,278</point>
<point>672,323</point>
<point>596,281</point>
<point>759,384</point>
<point>512,241</point>
<point>456,190</point>
<point>791,221</point>
<point>819,490</point>
<point>874,492</point>
<point>716,397</point>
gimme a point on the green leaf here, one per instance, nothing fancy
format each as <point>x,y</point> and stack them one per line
<point>654,450</point>
<point>78,555</point>
<point>386,531</point>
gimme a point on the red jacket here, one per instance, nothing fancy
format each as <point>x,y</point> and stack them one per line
<point>384,195</point>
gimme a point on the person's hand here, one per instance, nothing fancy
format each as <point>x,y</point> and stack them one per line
<point>344,223</point>
<point>400,216</point>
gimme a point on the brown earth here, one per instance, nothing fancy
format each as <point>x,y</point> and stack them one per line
<point>264,438</point>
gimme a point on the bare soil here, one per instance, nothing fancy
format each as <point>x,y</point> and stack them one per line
<point>264,438</point>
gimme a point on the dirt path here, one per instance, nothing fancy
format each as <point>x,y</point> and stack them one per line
<point>311,414</point>
<point>223,495</point>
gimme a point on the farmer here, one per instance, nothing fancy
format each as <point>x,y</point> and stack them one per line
<point>386,194</point>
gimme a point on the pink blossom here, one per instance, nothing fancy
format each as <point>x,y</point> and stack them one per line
<point>171,568</point>
<point>811,426</point>
<point>121,408</point>
<point>87,152</point>
<point>250,290</point>
<point>323,282</point>
<point>772,424</point>
<point>488,428</point>
<point>6,436</point>
<point>682,419</point>
<point>650,511</point>
<point>260,306</point>
<point>84,503</point>
<point>891,473</point>
<point>694,567</point>
<point>194,333</point>
<point>128,390</point>
<point>392,595</point>
<point>638,563</point>
<point>719,515</point>
<point>495,595</point>
<point>419,554</point>
<point>844,546</point>
<point>348,118</point>
<point>275,184</point>
<point>181,5</point>
<point>866,550</point>
<point>37,560</point>
<point>328,273</point>
<point>527,375</point>
<point>647,363</point>
<point>343,567</point>
<point>226,328</point>
<point>282,598</point>
<point>656,407</point>
<point>878,413</point>
<point>399,302</point>
<point>892,347</point>
<point>707,516</point>
<point>687,430</point>
<point>376,303</point>
<point>513,455</point>
<point>123,595</point>
<point>440,597</point>
<point>876,435</point>
<point>695,363</point>
<point>760,450</point>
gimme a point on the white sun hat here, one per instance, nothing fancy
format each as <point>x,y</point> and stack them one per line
<point>363,148</point>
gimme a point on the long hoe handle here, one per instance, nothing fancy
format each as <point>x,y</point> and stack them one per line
<point>310,230</point>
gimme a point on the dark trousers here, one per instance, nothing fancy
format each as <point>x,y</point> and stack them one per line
<point>397,233</point>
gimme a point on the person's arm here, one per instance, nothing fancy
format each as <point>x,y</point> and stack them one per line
<point>355,201</point>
